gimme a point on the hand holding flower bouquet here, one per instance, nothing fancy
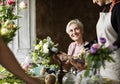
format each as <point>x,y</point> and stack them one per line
<point>97,56</point>
<point>8,26</point>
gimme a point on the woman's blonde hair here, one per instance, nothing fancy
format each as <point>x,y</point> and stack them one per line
<point>74,21</point>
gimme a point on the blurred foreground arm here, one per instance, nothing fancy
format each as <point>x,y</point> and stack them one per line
<point>8,61</point>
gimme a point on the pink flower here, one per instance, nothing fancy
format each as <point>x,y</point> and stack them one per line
<point>1,3</point>
<point>26,67</point>
<point>10,2</point>
<point>96,45</point>
<point>94,48</point>
<point>23,5</point>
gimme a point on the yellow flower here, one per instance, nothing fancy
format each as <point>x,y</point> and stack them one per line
<point>4,31</point>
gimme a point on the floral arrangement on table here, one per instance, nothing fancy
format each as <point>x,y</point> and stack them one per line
<point>8,27</point>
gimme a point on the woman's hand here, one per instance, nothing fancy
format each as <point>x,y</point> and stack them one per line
<point>78,65</point>
<point>63,56</point>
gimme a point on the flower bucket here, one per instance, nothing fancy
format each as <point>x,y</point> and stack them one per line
<point>37,70</point>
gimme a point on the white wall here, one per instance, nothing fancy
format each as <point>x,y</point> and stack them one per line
<point>23,41</point>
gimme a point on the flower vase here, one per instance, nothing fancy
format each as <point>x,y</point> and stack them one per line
<point>68,78</point>
<point>96,78</point>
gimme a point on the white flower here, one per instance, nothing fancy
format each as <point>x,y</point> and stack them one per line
<point>49,39</point>
<point>45,48</point>
<point>23,5</point>
<point>40,43</point>
<point>28,60</point>
<point>54,49</point>
<point>4,31</point>
<point>37,47</point>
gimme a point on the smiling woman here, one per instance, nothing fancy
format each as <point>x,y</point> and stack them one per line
<point>73,62</point>
<point>75,31</point>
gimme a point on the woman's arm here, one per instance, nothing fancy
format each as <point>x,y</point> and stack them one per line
<point>8,60</point>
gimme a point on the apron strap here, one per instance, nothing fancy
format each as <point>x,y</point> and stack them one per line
<point>112,5</point>
<point>73,50</point>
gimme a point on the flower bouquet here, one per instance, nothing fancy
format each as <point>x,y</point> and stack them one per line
<point>44,51</point>
<point>97,56</point>
<point>8,27</point>
<point>43,54</point>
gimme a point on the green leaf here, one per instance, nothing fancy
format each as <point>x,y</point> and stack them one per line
<point>87,71</point>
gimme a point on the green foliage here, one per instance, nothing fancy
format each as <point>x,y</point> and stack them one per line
<point>8,78</point>
<point>8,27</point>
<point>98,59</point>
